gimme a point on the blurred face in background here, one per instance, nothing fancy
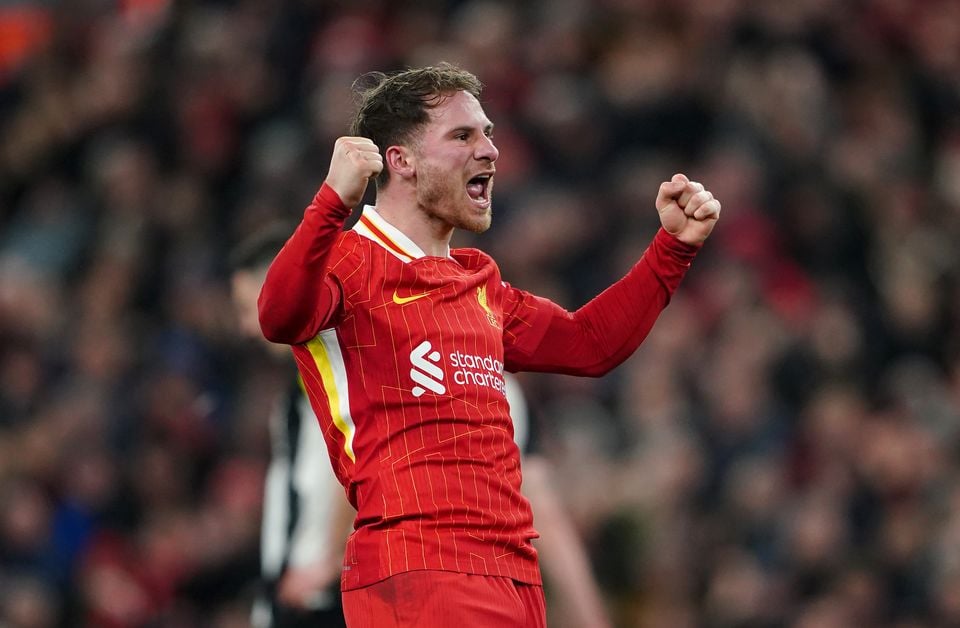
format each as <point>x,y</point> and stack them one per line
<point>245,287</point>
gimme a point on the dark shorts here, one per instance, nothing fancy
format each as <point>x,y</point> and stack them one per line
<point>291,618</point>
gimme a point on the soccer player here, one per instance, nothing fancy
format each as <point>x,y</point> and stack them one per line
<point>563,557</point>
<point>305,515</point>
<point>402,342</point>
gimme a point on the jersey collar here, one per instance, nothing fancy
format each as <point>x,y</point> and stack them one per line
<point>375,227</point>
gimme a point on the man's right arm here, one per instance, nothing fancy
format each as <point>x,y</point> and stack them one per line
<point>299,297</point>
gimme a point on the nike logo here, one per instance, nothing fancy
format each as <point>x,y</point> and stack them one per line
<point>399,300</point>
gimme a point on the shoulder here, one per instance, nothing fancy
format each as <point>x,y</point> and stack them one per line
<point>474,259</point>
<point>357,246</point>
<point>350,257</point>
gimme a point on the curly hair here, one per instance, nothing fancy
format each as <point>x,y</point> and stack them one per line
<point>393,106</point>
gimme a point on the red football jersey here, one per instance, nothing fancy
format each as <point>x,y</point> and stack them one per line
<point>403,354</point>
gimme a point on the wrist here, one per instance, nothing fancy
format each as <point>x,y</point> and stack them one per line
<point>675,245</point>
<point>328,199</point>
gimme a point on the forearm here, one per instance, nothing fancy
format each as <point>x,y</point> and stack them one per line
<point>320,530</point>
<point>608,329</point>
<point>342,525</point>
<point>563,556</point>
<point>297,298</point>
<point>321,534</point>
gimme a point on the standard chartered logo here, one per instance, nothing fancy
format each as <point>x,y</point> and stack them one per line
<point>479,370</point>
<point>425,372</point>
<point>485,371</point>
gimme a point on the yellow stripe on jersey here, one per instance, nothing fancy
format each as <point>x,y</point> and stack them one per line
<point>333,373</point>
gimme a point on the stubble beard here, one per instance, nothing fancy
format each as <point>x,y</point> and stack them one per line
<point>443,198</point>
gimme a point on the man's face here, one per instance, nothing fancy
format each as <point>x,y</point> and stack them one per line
<point>244,290</point>
<point>455,158</point>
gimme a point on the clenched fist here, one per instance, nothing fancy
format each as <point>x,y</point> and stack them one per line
<point>687,211</point>
<point>355,161</point>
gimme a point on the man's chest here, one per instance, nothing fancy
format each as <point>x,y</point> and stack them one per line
<point>432,330</point>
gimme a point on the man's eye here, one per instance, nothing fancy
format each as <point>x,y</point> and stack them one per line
<point>461,136</point>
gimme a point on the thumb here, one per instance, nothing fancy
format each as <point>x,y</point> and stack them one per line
<point>679,179</point>
<point>670,191</point>
<point>676,185</point>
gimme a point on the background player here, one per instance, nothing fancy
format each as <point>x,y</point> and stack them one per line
<point>576,598</point>
<point>305,517</point>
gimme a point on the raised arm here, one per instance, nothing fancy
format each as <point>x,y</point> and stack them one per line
<point>298,297</point>
<point>542,336</point>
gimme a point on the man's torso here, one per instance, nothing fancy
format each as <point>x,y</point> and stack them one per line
<point>410,393</point>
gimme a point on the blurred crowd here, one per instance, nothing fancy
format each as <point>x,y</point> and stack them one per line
<point>784,450</point>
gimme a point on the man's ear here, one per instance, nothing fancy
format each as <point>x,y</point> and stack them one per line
<point>401,161</point>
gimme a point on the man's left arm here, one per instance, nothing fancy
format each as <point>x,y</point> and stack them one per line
<point>542,336</point>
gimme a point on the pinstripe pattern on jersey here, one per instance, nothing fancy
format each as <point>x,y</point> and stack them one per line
<point>437,476</point>
<point>325,350</point>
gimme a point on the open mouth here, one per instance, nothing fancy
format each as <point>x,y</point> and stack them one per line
<point>479,187</point>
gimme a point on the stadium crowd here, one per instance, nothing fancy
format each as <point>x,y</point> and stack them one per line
<point>784,450</point>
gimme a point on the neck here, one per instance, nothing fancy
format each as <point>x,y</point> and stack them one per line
<point>431,234</point>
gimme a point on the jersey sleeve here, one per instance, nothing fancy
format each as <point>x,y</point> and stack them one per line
<point>539,335</point>
<point>299,295</point>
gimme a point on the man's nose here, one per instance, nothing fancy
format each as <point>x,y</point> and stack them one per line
<point>486,149</point>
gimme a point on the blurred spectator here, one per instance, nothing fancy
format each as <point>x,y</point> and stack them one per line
<point>782,451</point>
